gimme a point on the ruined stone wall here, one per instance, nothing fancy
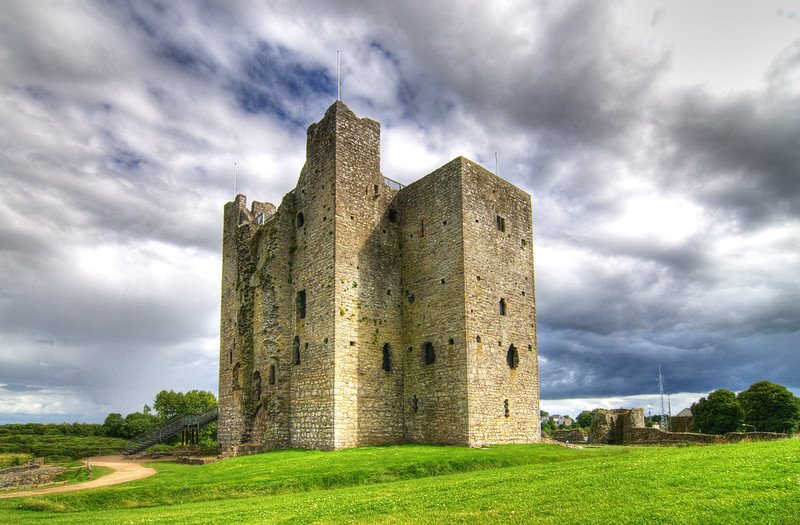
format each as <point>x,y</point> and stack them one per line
<point>273,322</point>
<point>26,475</point>
<point>573,435</point>
<point>501,338</point>
<point>235,319</point>
<point>432,246</point>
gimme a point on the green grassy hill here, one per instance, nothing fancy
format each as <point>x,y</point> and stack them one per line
<point>746,483</point>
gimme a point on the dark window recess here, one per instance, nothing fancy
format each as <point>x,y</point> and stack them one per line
<point>502,306</point>
<point>506,411</point>
<point>442,281</point>
<point>256,385</point>
<point>530,347</point>
<point>301,219</point>
<point>352,343</point>
<point>512,357</point>
<point>429,354</point>
<point>393,216</point>
<point>422,228</point>
<point>523,242</point>
<point>272,374</point>
<point>501,224</point>
<point>414,403</point>
<point>230,357</point>
<point>301,304</point>
<point>451,341</point>
<point>386,364</point>
<point>325,340</point>
<point>411,298</point>
<point>296,350</point>
<point>477,339</point>
<point>375,189</point>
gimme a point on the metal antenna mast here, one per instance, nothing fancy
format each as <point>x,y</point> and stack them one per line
<point>664,420</point>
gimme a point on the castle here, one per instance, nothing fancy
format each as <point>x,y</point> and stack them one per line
<point>362,312</point>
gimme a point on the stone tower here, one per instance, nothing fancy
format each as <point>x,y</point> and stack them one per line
<point>361,312</point>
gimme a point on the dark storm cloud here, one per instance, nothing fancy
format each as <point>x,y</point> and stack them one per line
<point>122,121</point>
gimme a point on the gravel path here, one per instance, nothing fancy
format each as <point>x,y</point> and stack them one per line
<point>124,470</point>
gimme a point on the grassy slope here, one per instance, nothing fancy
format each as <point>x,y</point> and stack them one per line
<point>747,483</point>
<point>57,446</point>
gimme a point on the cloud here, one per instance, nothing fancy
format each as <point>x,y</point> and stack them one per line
<point>665,203</point>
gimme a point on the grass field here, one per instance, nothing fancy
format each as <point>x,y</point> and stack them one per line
<point>58,447</point>
<point>745,483</point>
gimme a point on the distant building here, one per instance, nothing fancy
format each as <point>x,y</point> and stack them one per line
<point>682,422</point>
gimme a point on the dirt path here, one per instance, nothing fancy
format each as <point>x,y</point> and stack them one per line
<point>124,470</point>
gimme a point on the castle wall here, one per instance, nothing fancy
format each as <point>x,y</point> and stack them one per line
<point>312,253</point>
<point>503,395</point>
<point>368,404</point>
<point>435,394</point>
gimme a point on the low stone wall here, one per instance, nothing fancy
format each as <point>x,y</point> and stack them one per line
<point>655,436</point>
<point>26,475</point>
<point>574,435</point>
<point>746,437</point>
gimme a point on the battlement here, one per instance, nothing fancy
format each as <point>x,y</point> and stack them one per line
<point>372,313</point>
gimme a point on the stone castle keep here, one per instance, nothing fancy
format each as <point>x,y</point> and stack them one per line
<point>361,312</point>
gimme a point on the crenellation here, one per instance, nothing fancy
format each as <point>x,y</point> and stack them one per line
<point>351,313</point>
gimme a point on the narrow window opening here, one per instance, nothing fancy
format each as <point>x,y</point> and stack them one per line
<point>512,357</point>
<point>477,339</point>
<point>430,355</point>
<point>523,242</point>
<point>301,219</point>
<point>502,306</point>
<point>414,403</point>
<point>296,350</point>
<point>386,364</point>
<point>256,385</point>
<point>392,216</point>
<point>388,292</point>
<point>301,304</point>
<point>272,374</point>
<point>230,357</point>
<point>442,281</point>
<point>422,227</point>
<point>411,298</point>
<point>530,348</point>
<point>352,343</point>
<point>375,189</point>
<point>501,223</point>
<point>451,341</point>
<point>444,223</point>
<point>506,411</point>
<point>325,340</point>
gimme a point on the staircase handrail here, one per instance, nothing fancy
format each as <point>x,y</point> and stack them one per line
<point>172,427</point>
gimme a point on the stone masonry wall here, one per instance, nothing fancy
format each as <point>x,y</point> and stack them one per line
<point>435,393</point>
<point>502,345</point>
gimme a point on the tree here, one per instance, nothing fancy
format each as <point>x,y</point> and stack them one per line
<point>770,407</point>
<point>115,426</point>
<point>169,404</point>
<point>718,414</point>
<point>139,423</point>
<point>584,419</point>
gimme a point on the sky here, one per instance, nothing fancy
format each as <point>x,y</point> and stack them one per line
<point>660,142</point>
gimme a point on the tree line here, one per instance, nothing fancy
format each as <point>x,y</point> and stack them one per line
<point>764,407</point>
<point>166,405</point>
